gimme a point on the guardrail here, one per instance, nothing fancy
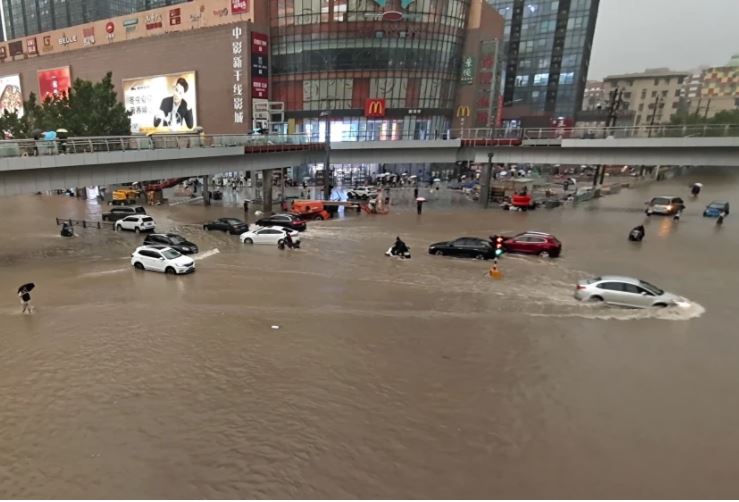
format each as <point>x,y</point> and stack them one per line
<point>275,143</point>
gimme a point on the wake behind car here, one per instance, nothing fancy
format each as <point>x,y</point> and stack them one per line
<point>625,291</point>
<point>269,235</point>
<point>285,220</point>
<point>233,226</point>
<point>175,241</point>
<point>538,243</point>
<point>715,208</point>
<point>161,259</point>
<point>665,205</point>
<point>464,247</point>
<point>136,223</point>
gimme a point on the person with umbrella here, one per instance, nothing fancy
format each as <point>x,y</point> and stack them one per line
<point>24,292</point>
<point>419,204</point>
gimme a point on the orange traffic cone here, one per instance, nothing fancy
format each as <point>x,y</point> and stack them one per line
<point>494,272</point>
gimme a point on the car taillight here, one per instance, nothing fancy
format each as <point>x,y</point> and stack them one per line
<point>579,287</point>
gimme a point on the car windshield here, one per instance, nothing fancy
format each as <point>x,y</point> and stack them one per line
<point>176,239</point>
<point>171,254</point>
<point>651,287</point>
<point>717,205</point>
<point>661,201</point>
<point>148,218</point>
<point>232,221</point>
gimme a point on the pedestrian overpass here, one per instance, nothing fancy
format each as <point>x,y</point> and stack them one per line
<point>29,166</point>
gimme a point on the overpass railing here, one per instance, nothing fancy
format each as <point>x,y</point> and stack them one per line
<point>657,131</point>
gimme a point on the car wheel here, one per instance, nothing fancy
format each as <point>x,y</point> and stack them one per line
<point>319,218</point>
<point>169,270</point>
<point>248,241</point>
<point>544,254</point>
<point>281,242</point>
<point>117,228</point>
<point>660,305</point>
<point>480,256</point>
<point>439,252</point>
<point>137,230</point>
<point>595,299</point>
<point>138,266</point>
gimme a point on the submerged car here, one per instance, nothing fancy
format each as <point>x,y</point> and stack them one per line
<point>538,243</point>
<point>161,259</point>
<point>715,208</point>
<point>668,205</point>
<point>625,291</point>
<point>269,235</point>
<point>465,247</point>
<point>234,226</point>
<point>285,220</point>
<point>175,241</point>
<point>136,223</point>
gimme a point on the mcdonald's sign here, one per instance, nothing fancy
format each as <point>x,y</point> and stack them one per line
<point>374,108</point>
<point>463,111</point>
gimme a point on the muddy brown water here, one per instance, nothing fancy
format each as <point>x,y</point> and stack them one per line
<point>387,378</point>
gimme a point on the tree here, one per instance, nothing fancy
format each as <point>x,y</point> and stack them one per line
<point>89,109</point>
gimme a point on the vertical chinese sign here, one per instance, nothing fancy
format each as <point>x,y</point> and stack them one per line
<point>487,106</point>
<point>259,66</point>
<point>237,53</point>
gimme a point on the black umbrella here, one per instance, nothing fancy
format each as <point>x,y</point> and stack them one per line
<point>26,288</point>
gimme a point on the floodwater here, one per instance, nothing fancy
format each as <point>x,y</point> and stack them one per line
<point>386,378</point>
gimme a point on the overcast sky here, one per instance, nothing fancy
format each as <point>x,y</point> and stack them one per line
<point>632,35</point>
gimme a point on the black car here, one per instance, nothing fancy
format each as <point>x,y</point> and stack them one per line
<point>176,242</point>
<point>231,225</point>
<point>464,247</point>
<point>283,220</point>
<point>118,213</point>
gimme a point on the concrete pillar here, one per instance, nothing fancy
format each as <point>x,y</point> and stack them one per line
<point>485,181</point>
<point>206,190</point>
<point>267,190</point>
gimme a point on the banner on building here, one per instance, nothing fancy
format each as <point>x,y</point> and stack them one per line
<point>15,48</point>
<point>11,95</point>
<point>239,6</point>
<point>162,103</point>
<point>260,64</point>
<point>54,83</point>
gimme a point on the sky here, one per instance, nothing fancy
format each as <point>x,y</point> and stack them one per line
<point>632,35</point>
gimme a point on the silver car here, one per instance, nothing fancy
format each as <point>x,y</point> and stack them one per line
<point>625,291</point>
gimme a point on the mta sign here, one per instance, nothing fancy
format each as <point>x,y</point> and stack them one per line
<point>403,3</point>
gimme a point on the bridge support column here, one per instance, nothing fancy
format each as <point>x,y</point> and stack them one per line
<point>267,190</point>
<point>206,190</point>
<point>485,181</point>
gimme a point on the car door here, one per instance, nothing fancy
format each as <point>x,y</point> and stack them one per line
<point>129,222</point>
<point>149,259</point>
<point>261,236</point>
<point>535,244</point>
<point>517,244</point>
<point>456,248</point>
<point>613,292</point>
<point>638,296</point>
<point>158,262</point>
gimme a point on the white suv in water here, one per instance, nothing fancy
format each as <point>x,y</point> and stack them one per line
<point>161,259</point>
<point>138,223</point>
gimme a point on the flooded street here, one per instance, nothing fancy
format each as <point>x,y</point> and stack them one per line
<point>386,378</point>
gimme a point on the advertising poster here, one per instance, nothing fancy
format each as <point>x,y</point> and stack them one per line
<point>162,103</point>
<point>260,65</point>
<point>54,83</point>
<point>239,6</point>
<point>11,97</point>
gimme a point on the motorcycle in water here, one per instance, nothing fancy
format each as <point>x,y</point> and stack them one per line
<point>637,234</point>
<point>405,254</point>
<point>291,244</point>
<point>67,231</point>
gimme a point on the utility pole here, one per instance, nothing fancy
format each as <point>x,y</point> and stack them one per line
<point>327,161</point>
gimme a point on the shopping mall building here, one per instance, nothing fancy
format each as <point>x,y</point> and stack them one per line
<point>376,69</point>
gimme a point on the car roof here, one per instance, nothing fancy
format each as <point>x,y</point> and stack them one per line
<point>665,197</point>
<point>153,247</point>
<point>532,232</point>
<point>718,202</point>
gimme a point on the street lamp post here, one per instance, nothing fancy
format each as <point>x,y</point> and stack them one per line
<point>327,159</point>
<point>486,181</point>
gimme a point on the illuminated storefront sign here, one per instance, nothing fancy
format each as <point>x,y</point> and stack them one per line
<point>11,96</point>
<point>162,103</point>
<point>260,61</point>
<point>374,108</point>
<point>54,83</point>
<point>237,53</point>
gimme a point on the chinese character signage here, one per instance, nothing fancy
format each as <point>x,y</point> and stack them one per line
<point>162,103</point>
<point>54,83</point>
<point>237,63</point>
<point>11,96</point>
<point>31,46</point>
<point>16,48</point>
<point>239,6</point>
<point>175,17</point>
<point>468,71</point>
<point>260,63</point>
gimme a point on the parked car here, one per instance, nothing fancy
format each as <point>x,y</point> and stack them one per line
<point>624,291</point>
<point>233,226</point>
<point>161,259</point>
<point>268,235</point>
<point>176,242</point>
<point>285,220</point>
<point>136,223</point>
<point>310,210</point>
<point>539,243</point>
<point>464,247</point>
<point>118,213</point>
<point>715,208</point>
<point>362,193</point>
<point>665,205</point>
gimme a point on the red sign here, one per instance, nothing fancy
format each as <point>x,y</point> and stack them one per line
<point>259,55</point>
<point>259,88</point>
<point>499,114</point>
<point>54,83</point>
<point>239,6</point>
<point>110,27</point>
<point>259,43</point>
<point>153,21</point>
<point>174,17</point>
<point>374,108</point>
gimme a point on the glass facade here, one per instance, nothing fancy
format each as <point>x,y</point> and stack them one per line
<point>547,50</point>
<point>28,17</point>
<point>330,56</point>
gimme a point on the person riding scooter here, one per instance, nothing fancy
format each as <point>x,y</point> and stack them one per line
<point>399,249</point>
<point>67,230</point>
<point>637,233</point>
<point>288,242</point>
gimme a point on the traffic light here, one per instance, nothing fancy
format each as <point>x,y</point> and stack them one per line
<point>498,246</point>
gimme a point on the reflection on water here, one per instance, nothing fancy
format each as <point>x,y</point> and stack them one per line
<point>388,378</point>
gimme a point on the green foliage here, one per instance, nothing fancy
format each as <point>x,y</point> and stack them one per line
<point>730,117</point>
<point>90,109</point>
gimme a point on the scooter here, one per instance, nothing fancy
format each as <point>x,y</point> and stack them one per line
<point>405,255</point>
<point>282,245</point>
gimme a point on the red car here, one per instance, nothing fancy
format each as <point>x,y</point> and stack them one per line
<point>539,243</point>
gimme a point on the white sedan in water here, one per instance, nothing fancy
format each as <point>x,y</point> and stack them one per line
<point>268,235</point>
<point>161,259</point>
